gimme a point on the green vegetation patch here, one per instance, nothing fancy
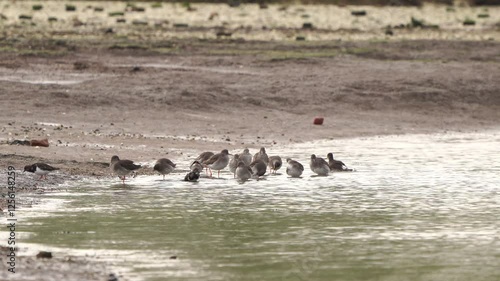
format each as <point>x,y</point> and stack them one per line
<point>116,14</point>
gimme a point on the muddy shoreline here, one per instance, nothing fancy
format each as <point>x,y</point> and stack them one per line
<point>97,102</point>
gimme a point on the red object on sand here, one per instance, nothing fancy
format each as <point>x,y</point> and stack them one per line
<point>43,143</point>
<point>318,121</point>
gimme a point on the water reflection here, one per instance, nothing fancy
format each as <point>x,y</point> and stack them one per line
<point>418,208</point>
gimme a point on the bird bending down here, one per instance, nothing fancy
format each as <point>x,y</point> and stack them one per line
<point>40,169</point>
<point>274,164</point>
<point>294,168</point>
<point>243,172</point>
<point>204,156</point>
<point>319,166</point>
<point>164,166</point>
<point>259,168</point>
<point>122,168</point>
<point>217,162</point>
<point>192,176</point>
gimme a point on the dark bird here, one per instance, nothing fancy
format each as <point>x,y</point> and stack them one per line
<point>194,175</point>
<point>274,164</point>
<point>336,165</point>
<point>259,168</point>
<point>122,168</point>
<point>164,166</point>
<point>243,172</point>
<point>319,166</point>
<point>40,169</point>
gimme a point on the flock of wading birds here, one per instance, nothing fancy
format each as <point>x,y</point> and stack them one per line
<point>244,166</point>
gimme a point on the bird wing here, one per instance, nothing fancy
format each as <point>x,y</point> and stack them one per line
<point>129,165</point>
<point>166,161</point>
<point>46,167</point>
<point>212,159</point>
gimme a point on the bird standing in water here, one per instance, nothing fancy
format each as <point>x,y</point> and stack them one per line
<point>294,168</point>
<point>122,168</point>
<point>217,162</point>
<point>164,166</point>
<point>319,166</point>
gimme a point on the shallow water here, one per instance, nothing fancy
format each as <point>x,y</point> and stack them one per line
<point>419,207</point>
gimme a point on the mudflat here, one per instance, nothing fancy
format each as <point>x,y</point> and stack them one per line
<point>95,86</point>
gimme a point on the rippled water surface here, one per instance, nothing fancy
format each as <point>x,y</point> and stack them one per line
<point>419,207</point>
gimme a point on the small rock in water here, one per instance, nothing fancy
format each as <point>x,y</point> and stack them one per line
<point>44,255</point>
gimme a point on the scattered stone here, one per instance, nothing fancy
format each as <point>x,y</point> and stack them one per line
<point>300,38</point>
<point>42,143</point>
<point>112,277</point>
<point>121,20</point>
<point>416,22</point>
<point>181,25</point>
<point>98,9</point>
<point>263,5</point>
<point>52,19</point>
<point>173,257</point>
<point>234,3</point>
<point>469,22</point>
<point>80,65</point>
<point>20,142</point>
<point>37,7</point>
<point>223,33</point>
<point>25,17</point>
<point>307,25</point>
<point>135,69</point>
<point>389,32</point>
<point>139,22</point>
<point>3,17</point>
<point>70,8</point>
<point>44,255</point>
<point>318,121</point>
<point>136,9</point>
<point>213,15</point>
<point>359,13</point>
